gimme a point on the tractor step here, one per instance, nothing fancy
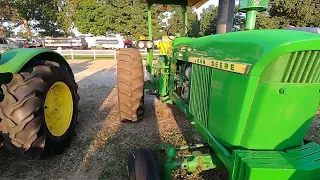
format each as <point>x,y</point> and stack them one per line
<point>294,164</point>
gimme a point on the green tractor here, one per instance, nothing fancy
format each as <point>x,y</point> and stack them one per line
<point>251,95</point>
<point>39,102</point>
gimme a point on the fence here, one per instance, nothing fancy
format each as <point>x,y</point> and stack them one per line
<point>95,53</point>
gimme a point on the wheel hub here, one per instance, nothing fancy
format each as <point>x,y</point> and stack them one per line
<point>58,108</point>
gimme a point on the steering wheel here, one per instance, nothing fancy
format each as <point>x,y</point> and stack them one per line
<point>177,30</point>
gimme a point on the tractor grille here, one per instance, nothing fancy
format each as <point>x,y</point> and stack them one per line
<point>303,67</point>
<point>200,93</point>
<point>297,67</point>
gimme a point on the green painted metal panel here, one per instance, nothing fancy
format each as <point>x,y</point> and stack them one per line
<point>230,102</point>
<point>256,47</point>
<point>247,5</point>
<point>294,164</point>
<point>12,61</point>
<point>279,105</point>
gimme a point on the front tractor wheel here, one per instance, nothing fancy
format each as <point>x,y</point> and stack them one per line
<point>130,85</point>
<point>39,110</point>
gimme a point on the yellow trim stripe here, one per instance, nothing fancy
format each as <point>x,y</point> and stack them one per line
<point>240,68</point>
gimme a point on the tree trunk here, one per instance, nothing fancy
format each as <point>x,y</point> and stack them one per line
<point>222,18</point>
<point>27,27</point>
<point>232,4</point>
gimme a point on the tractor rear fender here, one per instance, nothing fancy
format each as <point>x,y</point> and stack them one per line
<point>13,61</point>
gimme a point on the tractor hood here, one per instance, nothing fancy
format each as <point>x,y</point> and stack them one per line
<point>257,47</point>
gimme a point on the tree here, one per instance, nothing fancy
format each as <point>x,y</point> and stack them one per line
<point>265,21</point>
<point>239,20</point>
<point>208,20</point>
<point>5,31</point>
<point>26,10</point>
<point>193,24</point>
<point>299,13</point>
<point>117,16</point>
<point>43,14</point>
<point>66,15</point>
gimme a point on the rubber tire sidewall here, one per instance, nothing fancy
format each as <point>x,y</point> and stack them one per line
<point>66,137</point>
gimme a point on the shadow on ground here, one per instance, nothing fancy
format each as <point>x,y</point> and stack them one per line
<point>81,66</point>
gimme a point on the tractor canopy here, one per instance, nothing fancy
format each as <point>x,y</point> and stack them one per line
<point>261,87</point>
<point>194,3</point>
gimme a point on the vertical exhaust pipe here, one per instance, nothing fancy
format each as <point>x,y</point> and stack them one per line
<point>222,18</point>
<point>232,4</point>
<point>225,16</point>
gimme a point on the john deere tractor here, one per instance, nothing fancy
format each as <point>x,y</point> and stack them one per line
<point>251,95</point>
<point>39,102</point>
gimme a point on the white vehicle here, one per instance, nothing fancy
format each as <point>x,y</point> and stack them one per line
<point>308,29</point>
<point>108,43</point>
<point>7,44</point>
<point>66,43</point>
<point>20,41</point>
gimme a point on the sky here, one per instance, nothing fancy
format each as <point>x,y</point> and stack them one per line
<point>207,4</point>
<point>199,10</point>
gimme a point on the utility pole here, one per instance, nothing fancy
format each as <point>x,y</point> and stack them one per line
<point>222,18</point>
<point>232,4</point>
<point>225,16</point>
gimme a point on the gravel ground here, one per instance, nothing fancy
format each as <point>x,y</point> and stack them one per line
<point>100,148</point>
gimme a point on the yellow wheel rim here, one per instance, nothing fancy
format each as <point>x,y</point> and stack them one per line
<point>58,108</point>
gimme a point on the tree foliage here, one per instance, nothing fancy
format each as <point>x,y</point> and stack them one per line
<point>66,15</point>
<point>103,17</point>
<point>298,13</point>
<point>208,20</point>
<point>121,16</point>
<point>19,12</point>
<point>176,17</point>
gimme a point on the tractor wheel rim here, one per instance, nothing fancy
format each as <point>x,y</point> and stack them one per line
<point>58,108</point>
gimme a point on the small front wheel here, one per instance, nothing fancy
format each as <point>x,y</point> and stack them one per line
<point>142,165</point>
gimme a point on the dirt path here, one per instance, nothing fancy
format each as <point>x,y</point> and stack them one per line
<point>100,148</point>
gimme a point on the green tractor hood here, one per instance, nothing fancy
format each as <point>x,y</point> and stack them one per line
<point>257,47</point>
<point>266,78</point>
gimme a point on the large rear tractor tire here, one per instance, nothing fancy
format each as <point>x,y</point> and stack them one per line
<point>39,110</point>
<point>142,165</point>
<point>130,85</point>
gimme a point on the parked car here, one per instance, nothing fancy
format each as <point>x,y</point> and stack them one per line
<point>108,43</point>
<point>34,43</point>
<point>20,41</point>
<point>28,43</point>
<point>308,29</point>
<point>7,44</point>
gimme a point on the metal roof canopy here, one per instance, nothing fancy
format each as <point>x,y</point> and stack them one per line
<point>194,3</point>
